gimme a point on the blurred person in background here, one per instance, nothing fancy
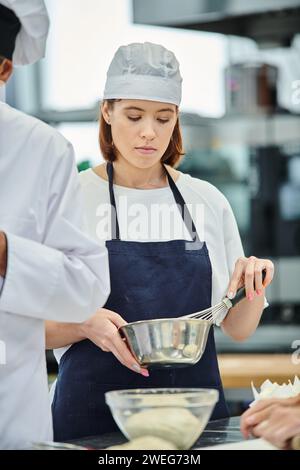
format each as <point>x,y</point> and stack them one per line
<point>49,269</point>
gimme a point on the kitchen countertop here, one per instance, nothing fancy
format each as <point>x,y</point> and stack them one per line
<point>238,370</point>
<point>216,432</point>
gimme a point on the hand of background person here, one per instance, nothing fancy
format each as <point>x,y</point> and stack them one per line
<point>276,419</point>
<point>102,330</point>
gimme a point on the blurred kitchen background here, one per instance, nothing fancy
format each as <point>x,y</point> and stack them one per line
<point>240,118</point>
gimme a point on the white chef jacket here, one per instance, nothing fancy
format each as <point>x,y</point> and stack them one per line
<point>54,271</point>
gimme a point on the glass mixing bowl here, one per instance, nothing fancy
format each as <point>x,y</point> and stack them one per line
<point>178,415</point>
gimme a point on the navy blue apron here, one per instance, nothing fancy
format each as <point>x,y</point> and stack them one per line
<point>148,280</point>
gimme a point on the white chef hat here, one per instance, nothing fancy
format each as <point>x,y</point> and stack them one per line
<point>30,39</point>
<point>144,71</point>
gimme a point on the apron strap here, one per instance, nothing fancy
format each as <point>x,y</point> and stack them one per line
<point>115,229</point>
<point>185,214</point>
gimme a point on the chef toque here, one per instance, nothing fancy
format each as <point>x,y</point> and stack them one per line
<point>144,71</point>
<point>24,28</point>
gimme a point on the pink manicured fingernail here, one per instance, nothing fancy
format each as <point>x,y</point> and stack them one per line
<point>231,295</point>
<point>145,373</point>
<point>250,297</point>
<point>136,368</point>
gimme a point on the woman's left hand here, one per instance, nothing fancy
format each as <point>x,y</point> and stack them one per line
<point>248,273</point>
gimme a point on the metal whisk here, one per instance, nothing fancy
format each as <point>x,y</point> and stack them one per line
<point>213,314</point>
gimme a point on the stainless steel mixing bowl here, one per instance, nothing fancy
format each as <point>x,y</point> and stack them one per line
<point>167,342</point>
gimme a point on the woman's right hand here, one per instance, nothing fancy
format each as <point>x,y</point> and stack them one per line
<point>102,330</point>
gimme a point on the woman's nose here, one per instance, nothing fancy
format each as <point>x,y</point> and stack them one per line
<point>148,132</point>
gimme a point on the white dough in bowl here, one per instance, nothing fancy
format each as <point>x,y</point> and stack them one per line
<point>145,443</point>
<point>190,350</point>
<point>177,425</point>
<point>164,400</point>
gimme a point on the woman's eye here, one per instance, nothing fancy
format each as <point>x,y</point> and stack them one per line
<point>163,121</point>
<point>134,118</point>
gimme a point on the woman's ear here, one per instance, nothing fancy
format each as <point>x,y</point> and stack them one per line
<point>6,69</point>
<point>105,112</point>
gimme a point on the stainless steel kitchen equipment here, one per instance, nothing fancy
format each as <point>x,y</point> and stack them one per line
<point>213,314</point>
<point>251,88</point>
<point>169,342</point>
<point>269,23</point>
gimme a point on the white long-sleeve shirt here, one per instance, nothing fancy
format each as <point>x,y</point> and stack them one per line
<point>54,270</point>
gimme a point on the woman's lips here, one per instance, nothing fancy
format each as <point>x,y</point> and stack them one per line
<point>145,150</point>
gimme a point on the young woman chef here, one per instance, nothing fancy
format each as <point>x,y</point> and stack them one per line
<point>189,264</point>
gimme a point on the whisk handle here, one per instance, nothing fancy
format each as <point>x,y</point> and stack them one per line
<point>241,293</point>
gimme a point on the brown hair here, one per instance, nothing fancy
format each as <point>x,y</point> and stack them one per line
<point>172,155</point>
